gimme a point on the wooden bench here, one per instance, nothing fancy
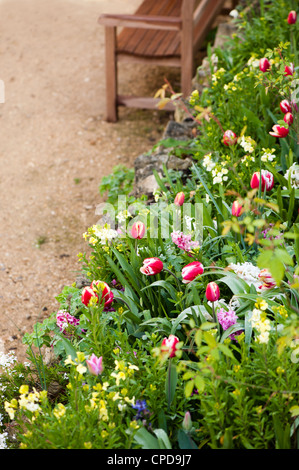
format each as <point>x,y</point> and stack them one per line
<point>160,32</point>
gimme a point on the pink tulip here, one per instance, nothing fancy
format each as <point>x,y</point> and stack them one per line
<point>87,294</point>
<point>151,266</point>
<point>229,138</point>
<point>179,199</point>
<point>292,17</point>
<point>187,422</point>
<point>289,70</point>
<point>288,118</point>
<point>236,209</point>
<point>138,230</point>
<point>191,271</point>
<point>285,106</point>
<point>267,279</point>
<point>101,287</point>
<point>212,292</point>
<point>95,364</point>
<point>264,65</point>
<point>267,180</point>
<point>279,131</point>
<point>168,345</point>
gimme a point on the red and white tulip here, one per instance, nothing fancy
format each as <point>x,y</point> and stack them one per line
<point>151,266</point>
<point>212,292</point>
<point>229,138</point>
<point>169,346</point>
<point>191,271</point>
<point>267,180</point>
<point>288,118</point>
<point>292,17</point>
<point>264,65</point>
<point>289,70</point>
<point>279,131</point>
<point>237,209</point>
<point>285,106</point>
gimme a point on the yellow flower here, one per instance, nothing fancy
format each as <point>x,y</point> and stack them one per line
<point>261,304</point>
<point>81,369</point>
<point>88,445</point>
<point>134,425</point>
<point>69,360</point>
<point>24,389</point>
<point>59,411</point>
<point>104,434</point>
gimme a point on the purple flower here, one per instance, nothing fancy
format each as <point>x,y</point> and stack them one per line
<point>141,408</point>
<point>64,320</point>
<point>228,319</point>
<point>184,241</point>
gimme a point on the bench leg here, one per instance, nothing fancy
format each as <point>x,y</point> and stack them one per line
<point>111,74</point>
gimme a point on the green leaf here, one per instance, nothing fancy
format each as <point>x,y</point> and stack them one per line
<point>171,382</point>
<point>164,442</point>
<point>145,439</point>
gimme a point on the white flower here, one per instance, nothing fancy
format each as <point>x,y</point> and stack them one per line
<point>268,155</point>
<point>248,272</point>
<point>208,162</point>
<point>234,13</point>
<point>292,175</point>
<point>247,143</point>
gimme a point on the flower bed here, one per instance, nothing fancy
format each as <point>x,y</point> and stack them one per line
<point>185,333</point>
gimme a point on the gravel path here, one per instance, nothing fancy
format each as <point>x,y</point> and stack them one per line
<point>55,147</point>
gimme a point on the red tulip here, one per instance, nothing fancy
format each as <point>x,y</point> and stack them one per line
<point>101,287</point>
<point>289,70</point>
<point>179,199</point>
<point>229,138</point>
<point>87,294</point>
<point>279,131</point>
<point>168,345</point>
<point>267,180</point>
<point>138,230</point>
<point>212,292</point>
<point>292,17</point>
<point>285,106</point>
<point>151,266</point>
<point>288,118</point>
<point>264,64</point>
<point>236,209</point>
<point>191,271</point>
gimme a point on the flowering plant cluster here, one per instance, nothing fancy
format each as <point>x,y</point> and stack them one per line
<point>180,341</point>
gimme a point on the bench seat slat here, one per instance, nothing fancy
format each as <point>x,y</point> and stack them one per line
<point>144,42</point>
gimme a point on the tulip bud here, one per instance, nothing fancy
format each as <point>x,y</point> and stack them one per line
<point>292,17</point>
<point>285,106</point>
<point>95,364</point>
<point>151,266</point>
<point>229,138</point>
<point>264,65</point>
<point>179,199</point>
<point>288,118</point>
<point>267,180</point>
<point>138,230</point>
<point>279,131</point>
<point>212,292</point>
<point>87,294</point>
<point>289,70</point>
<point>191,271</point>
<point>187,422</point>
<point>236,209</point>
<point>168,346</point>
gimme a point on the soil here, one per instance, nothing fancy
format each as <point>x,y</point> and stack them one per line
<point>55,147</point>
